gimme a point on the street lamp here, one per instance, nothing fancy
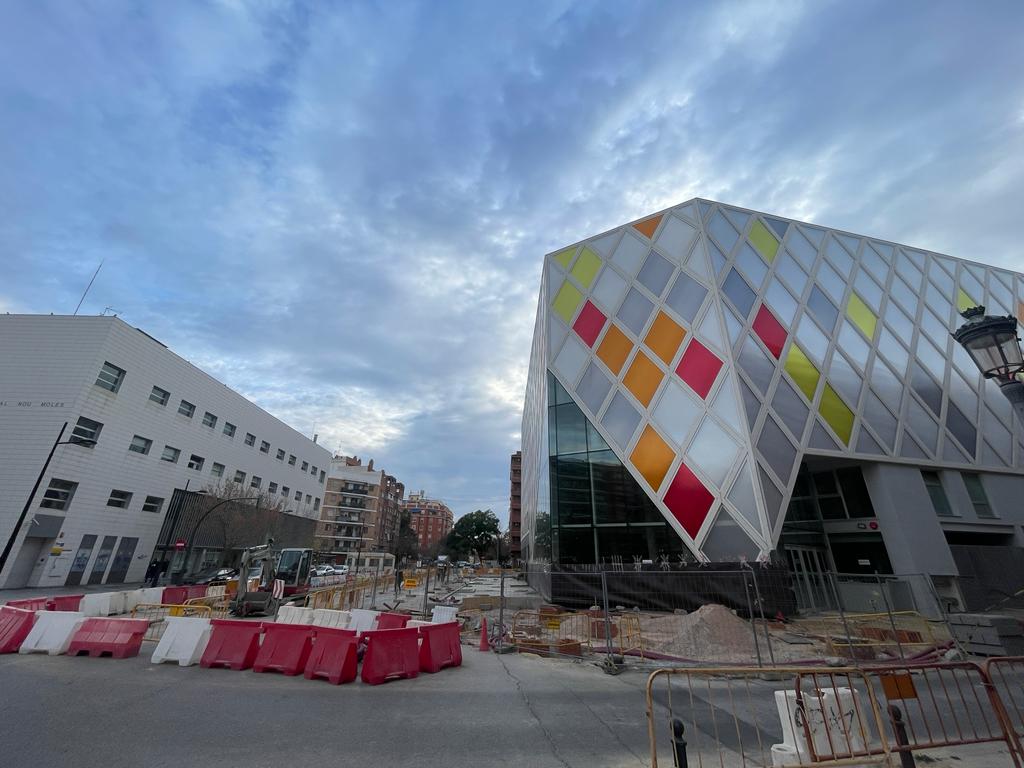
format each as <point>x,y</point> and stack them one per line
<point>28,504</point>
<point>180,575</point>
<point>994,347</point>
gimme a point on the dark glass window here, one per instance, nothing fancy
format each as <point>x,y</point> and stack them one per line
<point>573,483</point>
<point>576,545</point>
<point>855,492</point>
<point>572,429</point>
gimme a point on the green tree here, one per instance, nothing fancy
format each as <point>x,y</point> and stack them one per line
<point>473,533</point>
<point>407,546</point>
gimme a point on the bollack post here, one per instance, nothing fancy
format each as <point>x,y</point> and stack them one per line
<point>900,731</point>
<point>678,743</point>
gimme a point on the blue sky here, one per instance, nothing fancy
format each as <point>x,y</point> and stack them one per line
<point>340,209</point>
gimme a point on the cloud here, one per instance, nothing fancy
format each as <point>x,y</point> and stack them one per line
<point>340,210</point>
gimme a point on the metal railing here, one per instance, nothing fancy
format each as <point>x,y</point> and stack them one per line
<point>155,613</point>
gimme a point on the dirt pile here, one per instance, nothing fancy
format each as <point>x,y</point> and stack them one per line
<point>711,633</point>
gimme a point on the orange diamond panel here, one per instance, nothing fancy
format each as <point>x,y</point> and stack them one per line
<point>643,378</point>
<point>614,349</point>
<point>652,457</point>
<point>665,337</point>
<point>647,226</point>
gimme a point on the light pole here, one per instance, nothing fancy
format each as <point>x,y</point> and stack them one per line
<point>28,503</point>
<point>994,347</point>
<point>179,575</point>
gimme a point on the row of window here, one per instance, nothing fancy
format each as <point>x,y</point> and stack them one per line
<point>111,377</point>
<point>59,493</point>
<point>940,502</point>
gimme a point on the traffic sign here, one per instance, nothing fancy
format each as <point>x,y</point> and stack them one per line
<point>179,544</point>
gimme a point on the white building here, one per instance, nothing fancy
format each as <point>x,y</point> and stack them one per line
<point>159,423</point>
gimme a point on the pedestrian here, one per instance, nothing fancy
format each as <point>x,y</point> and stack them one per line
<point>152,573</point>
<point>399,577</point>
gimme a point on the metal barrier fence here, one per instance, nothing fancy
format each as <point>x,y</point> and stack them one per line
<point>1006,675</point>
<point>155,613</point>
<point>822,716</point>
<point>219,605</point>
<point>859,636</point>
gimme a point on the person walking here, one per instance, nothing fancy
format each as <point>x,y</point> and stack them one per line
<point>399,577</point>
<point>153,573</point>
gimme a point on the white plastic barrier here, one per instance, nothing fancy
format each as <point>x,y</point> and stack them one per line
<point>363,620</point>
<point>132,598</point>
<point>443,614</point>
<point>325,617</point>
<point>183,641</point>
<point>829,718</point>
<point>418,623</point>
<point>52,632</point>
<point>102,604</point>
<point>152,595</point>
<point>293,614</point>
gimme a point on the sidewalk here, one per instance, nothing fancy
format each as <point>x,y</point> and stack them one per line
<point>82,589</point>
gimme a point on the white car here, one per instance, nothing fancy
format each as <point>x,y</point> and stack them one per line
<point>340,570</point>
<point>323,570</point>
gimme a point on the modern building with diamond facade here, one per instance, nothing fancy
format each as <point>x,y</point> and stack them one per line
<point>720,384</point>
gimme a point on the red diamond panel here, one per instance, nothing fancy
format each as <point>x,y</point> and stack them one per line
<point>589,324</point>
<point>699,368</point>
<point>688,500</point>
<point>770,331</point>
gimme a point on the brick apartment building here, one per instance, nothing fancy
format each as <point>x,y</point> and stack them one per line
<point>431,520</point>
<point>515,508</point>
<point>361,509</point>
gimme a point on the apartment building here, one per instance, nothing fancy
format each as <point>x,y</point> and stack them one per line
<point>141,424</point>
<point>515,505</point>
<point>361,509</point>
<point>431,519</point>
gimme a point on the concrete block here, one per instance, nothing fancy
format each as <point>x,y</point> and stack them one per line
<point>52,632</point>
<point>183,641</point>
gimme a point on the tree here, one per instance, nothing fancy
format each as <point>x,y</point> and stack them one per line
<point>241,522</point>
<point>407,545</point>
<point>473,533</point>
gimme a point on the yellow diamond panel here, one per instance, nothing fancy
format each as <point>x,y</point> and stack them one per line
<point>963,301</point>
<point>652,457</point>
<point>585,269</point>
<point>861,315</point>
<point>836,413</point>
<point>764,241</point>
<point>565,303</point>
<point>799,366</point>
<point>564,256</point>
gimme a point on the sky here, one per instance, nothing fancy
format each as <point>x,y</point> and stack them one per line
<point>341,209</point>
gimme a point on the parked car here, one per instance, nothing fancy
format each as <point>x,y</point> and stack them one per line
<point>322,570</point>
<point>211,576</point>
<point>341,570</point>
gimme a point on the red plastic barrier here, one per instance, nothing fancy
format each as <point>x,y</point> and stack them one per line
<point>233,644</point>
<point>441,647</point>
<point>285,649</point>
<point>117,638</point>
<point>29,603</point>
<point>390,653</point>
<point>64,603</point>
<point>15,624</point>
<point>334,655</point>
<point>174,595</point>
<point>196,590</point>
<point>393,620</point>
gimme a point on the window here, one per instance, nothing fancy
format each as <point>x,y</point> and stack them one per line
<point>170,454</point>
<point>323,474</point>
<point>217,470</point>
<point>272,488</point>
<point>140,444</point>
<point>285,490</point>
<point>250,438</point>
<point>316,503</point>
<point>309,499</point>
<point>152,504</point>
<point>280,454</point>
<point>58,494</point>
<point>186,409</point>
<point>313,470</point>
<point>933,483</point>
<point>298,495</point>
<point>195,462</point>
<point>305,466</point>
<point>239,476</point>
<point>229,429</point>
<point>120,499</point>
<point>159,396</point>
<point>209,420</point>
<point>264,446</point>
<point>86,429</point>
<point>291,460</point>
<point>256,482</point>
<point>977,493</point>
<point>110,377</point>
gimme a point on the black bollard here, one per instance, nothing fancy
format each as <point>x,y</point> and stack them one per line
<point>900,730</point>
<point>678,743</point>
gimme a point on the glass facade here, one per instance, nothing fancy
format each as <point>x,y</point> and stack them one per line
<point>598,511</point>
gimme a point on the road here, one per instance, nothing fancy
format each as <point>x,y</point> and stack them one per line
<point>495,710</point>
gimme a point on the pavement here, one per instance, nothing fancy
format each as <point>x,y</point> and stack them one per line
<point>507,710</point>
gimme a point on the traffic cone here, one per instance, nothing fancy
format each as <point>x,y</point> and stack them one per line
<point>484,645</point>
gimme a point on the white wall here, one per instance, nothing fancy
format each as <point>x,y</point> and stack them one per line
<point>57,359</point>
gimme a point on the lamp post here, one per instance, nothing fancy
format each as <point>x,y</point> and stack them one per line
<point>179,575</point>
<point>994,347</point>
<point>28,503</point>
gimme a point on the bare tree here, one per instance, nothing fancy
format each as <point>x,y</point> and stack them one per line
<point>247,519</point>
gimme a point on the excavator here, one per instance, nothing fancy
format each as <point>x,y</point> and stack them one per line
<point>287,569</point>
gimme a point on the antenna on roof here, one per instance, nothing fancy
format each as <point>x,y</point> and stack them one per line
<point>88,287</point>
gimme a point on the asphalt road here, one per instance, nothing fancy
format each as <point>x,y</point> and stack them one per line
<point>494,710</point>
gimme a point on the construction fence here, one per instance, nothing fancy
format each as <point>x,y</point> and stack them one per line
<point>830,716</point>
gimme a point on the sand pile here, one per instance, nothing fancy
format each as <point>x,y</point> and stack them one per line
<point>711,633</point>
